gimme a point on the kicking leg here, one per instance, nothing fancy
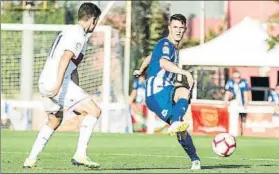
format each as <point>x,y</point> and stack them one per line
<point>91,114</point>
<point>42,138</point>
<point>181,96</point>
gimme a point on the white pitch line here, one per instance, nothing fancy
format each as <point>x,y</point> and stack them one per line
<point>159,156</point>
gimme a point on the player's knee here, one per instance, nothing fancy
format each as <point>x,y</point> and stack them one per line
<point>93,110</point>
<point>89,107</point>
<point>181,92</point>
<point>54,120</point>
<point>97,112</point>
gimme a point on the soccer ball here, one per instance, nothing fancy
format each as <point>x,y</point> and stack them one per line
<point>224,144</point>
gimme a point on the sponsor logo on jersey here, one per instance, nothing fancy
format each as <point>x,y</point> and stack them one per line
<point>164,112</point>
<point>166,50</point>
<point>78,46</point>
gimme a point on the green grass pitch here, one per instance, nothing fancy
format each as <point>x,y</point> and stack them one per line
<point>137,153</point>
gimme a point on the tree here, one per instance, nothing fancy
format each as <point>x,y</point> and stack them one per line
<point>9,16</point>
<point>11,45</point>
<point>158,24</point>
<point>275,17</point>
<point>141,15</point>
<point>117,19</point>
<point>274,39</point>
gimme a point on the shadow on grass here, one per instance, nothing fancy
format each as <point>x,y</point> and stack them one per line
<point>143,168</point>
<point>184,168</point>
<point>224,166</point>
<point>229,166</point>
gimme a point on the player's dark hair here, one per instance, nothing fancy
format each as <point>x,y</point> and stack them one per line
<point>178,17</point>
<point>88,10</point>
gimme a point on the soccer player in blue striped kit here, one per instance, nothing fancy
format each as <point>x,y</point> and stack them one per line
<point>167,98</point>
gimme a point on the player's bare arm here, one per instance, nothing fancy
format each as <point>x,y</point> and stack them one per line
<point>245,98</point>
<point>63,64</point>
<point>143,66</point>
<point>132,96</point>
<point>227,96</point>
<point>171,67</point>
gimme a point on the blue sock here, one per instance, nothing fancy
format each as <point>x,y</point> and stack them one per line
<point>179,110</point>
<point>187,144</point>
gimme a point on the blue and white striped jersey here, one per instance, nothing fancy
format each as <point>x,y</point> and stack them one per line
<point>157,78</point>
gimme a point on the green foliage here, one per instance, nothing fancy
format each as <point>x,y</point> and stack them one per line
<point>149,25</point>
<point>211,35</point>
<point>10,62</point>
<point>141,14</point>
<point>8,16</point>
<point>10,53</point>
<point>273,41</point>
<point>189,43</point>
<point>275,17</point>
<point>158,24</point>
<point>11,46</point>
<point>117,19</point>
<point>136,152</point>
<point>54,16</point>
<point>195,42</point>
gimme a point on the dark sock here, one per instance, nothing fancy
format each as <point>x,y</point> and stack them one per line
<point>184,138</point>
<point>179,110</point>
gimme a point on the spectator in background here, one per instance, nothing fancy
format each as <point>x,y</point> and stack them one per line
<point>237,89</point>
<point>138,93</point>
<point>274,98</point>
<point>274,95</point>
<point>5,121</point>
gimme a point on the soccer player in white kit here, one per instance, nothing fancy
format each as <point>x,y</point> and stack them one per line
<point>60,92</point>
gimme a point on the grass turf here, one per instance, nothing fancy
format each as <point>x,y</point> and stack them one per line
<point>137,153</point>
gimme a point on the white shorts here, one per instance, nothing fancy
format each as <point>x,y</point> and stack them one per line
<point>69,95</point>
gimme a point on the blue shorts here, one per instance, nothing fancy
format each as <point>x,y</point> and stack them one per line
<point>162,103</point>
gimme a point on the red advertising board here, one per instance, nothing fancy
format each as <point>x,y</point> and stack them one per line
<point>261,125</point>
<point>210,119</point>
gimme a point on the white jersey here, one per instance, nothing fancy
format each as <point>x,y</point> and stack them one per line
<point>73,39</point>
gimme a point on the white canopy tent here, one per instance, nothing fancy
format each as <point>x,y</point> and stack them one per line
<point>242,45</point>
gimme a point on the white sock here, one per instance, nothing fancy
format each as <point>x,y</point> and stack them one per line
<point>42,139</point>
<point>85,132</point>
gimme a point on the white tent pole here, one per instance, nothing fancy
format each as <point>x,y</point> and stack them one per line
<point>202,33</point>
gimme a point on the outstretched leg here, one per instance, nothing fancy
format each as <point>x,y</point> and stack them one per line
<point>91,114</point>
<point>42,138</point>
<point>181,98</point>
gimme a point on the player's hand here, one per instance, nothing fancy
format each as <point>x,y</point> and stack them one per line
<point>137,73</point>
